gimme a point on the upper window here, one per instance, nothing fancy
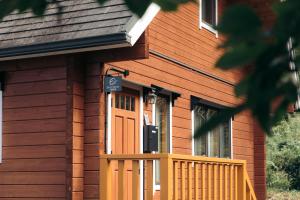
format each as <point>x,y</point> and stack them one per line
<point>216,143</point>
<point>209,14</point>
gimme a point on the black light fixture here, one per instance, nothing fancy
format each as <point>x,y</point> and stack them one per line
<point>124,72</point>
<point>151,96</point>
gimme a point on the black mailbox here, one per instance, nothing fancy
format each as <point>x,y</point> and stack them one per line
<point>150,138</point>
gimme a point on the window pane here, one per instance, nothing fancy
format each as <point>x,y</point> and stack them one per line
<point>117,101</point>
<point>200,144</point>
<point>127,102</point>
<point>226,141</point>
<point>217,142</point>
<point>162,121</point>
<point>132,103</point>
<point>209,11</point>
<point>122,102</point>
<point>214,143</point>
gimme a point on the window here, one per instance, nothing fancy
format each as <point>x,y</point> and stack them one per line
<point>125,102</point>
<point>209,14</point>
<point>216,143</point>
<point>162,121</point>
<point>162,116</point>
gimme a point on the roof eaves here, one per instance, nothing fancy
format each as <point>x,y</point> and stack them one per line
<point>136,26</point>
<point>67,46</point>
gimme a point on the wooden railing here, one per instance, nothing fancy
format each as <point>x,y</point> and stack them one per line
<point>181,177</point>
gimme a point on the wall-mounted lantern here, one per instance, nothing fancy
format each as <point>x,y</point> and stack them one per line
<point>151,97</point>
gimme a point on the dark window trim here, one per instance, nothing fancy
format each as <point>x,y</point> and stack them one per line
<point>199,101</point>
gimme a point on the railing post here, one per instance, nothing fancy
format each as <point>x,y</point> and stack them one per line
<point>242,182</point>
<point>105,179</point>
<point>166,181</point>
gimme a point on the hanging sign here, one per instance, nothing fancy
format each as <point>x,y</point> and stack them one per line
<point>113,83</point>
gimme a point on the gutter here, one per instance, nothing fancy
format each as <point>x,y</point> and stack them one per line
<point>117,40</point>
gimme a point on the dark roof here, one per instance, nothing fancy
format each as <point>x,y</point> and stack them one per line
<point>82,24</point>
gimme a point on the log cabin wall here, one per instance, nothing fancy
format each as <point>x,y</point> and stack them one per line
<point>75,128</point>
<point>182,59</point>
<point>177,35</point>
<point>34,129</point>
<point>264,10</point>
<point>94,129</point>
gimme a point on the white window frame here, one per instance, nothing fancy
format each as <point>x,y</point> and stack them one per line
<point>208,145</point>
<point>1,130</point>
<point>156,187</point>
<point>204,25</point>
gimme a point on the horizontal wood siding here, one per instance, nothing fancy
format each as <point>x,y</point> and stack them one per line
<point>177,35</point>
<point>172,76</point>
<point>34,126</point>
<point>75,131</point>
<point>94,129</point>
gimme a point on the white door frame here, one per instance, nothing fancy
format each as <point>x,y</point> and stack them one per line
<point>157,187</point>
<point>108,128</point>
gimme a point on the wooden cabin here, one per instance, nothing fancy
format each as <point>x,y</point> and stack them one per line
<point>79,90</point>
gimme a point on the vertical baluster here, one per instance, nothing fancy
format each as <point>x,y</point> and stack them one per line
<point>105,180</point>
<point>221,182</point>
<point>209,185</point>
<point>215,168</point>
<point>241,181</point>
<point>190,177</point>
<point>166,168</point>
<point>149,181</point>
<point>236,183</point>
<point>226,183</point>
<point>203,182</point>
<point>196,182</point>
<point>135,180</point>
<point>121,179</point>
<point>175,188</point>
<point>176,180</point>
<point>231,184</point>
<point>183,180</point>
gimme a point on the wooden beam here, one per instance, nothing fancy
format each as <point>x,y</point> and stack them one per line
<point>139,51</point>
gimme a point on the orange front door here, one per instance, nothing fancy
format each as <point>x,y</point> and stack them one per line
<point>125,135</point>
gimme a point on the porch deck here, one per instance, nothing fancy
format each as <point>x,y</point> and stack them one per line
<point>181,177</point>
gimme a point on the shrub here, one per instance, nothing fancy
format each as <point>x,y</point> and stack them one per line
<point>283,155</point>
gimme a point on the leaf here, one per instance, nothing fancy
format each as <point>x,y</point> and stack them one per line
<point>217,119</point>
<point>239,21</point>
<point>171,5</point>
<point>101,1</point>
<point>262,112</point>
<point>138,6</point>
<point>240,55</point>
<point>242,87</point>
<point>39,7</point>
<point>280,111</point>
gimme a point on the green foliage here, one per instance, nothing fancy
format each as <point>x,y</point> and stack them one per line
<point>275,194</point>
<point>38,7</point>
<point>283,155</point>
<point>264,55</point>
